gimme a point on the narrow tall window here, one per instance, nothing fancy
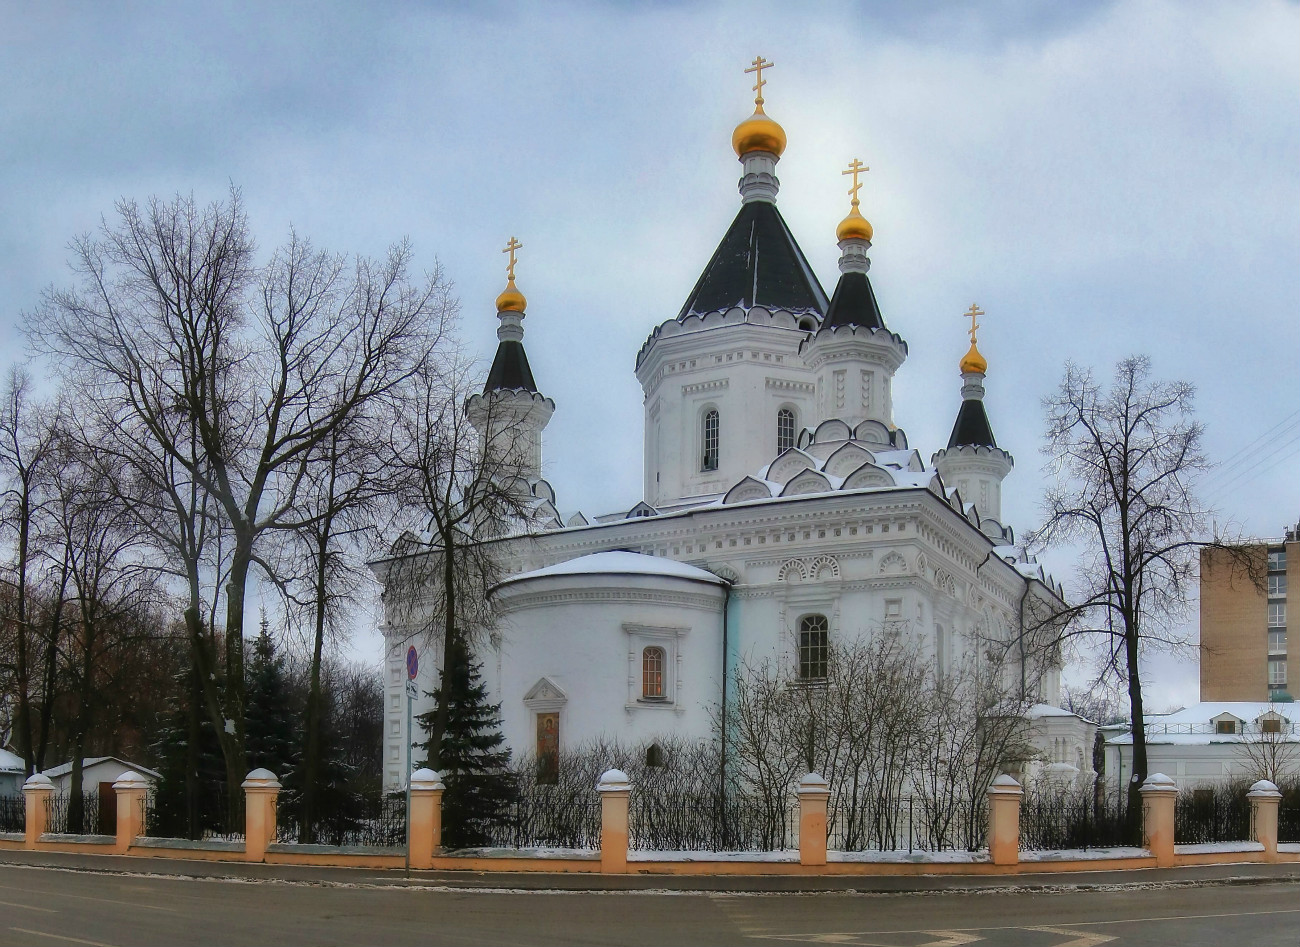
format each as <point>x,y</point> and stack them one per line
<point>1277,614</point>
<point>1277,560</point>
<point>784,430</point>
<point>710,440</point>
<point>652,673</point>
<point>812,647</point>
<point>1277,586</point>
<point>1277,673</point>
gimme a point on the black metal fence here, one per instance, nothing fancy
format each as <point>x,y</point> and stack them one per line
<point>1288,813</point>
<point>60,819</point>
<point>1221,814</point>
<point>541,819</point>
<point>371,819</point>
<point>711,824</point>
<point>207,815</point>
<point>906,826</point>
<point>13,813</point>
<point>1052,821</point>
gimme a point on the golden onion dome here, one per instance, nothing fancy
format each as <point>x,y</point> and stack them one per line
<point>973,361</point>
<point>854,226</point>
<point>758,133</point>
<point>511,300</point>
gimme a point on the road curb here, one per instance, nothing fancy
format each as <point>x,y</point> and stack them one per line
<point>1238,874</point>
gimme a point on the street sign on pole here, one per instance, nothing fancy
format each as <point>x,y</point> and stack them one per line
<point>412,663</point>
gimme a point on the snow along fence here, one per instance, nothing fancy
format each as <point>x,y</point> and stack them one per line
<point>614,837</point>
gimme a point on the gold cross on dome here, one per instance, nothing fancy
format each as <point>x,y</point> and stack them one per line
<point>974,311</point>
<point>856,168</point>
<point>759,65</point>
<point>511,247</point>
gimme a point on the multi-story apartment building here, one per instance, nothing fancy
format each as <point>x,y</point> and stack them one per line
<point>1244,624</point>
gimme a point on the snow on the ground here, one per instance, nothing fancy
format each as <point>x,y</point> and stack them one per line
<point>1084,854</point>
<point>1205,848</point>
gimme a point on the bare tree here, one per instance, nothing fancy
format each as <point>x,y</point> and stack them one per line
<point>1273,751</point>
<point>465,488</point>
<point>221,377</point>
<point>26,443</point>
<point>1125,461</point>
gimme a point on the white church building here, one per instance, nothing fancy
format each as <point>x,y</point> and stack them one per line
<point>783,509</point>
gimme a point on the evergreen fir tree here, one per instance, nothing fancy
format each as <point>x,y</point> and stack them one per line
<point>188,800</point>
<point>270,724</point>
<point>472,760</point>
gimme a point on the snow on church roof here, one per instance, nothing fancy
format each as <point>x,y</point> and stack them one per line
<point>619,563</point>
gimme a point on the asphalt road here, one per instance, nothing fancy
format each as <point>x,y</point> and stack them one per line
<point>48,906</point>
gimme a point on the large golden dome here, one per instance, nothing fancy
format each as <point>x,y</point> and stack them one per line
<point>854,226</point>
<point>973,361</point>
<point>758,133</point>
<point>511,300</point>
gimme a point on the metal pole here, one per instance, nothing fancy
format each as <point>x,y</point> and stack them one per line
<point>409,687</point>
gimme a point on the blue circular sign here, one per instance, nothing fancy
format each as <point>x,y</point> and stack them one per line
<point>412,663</point>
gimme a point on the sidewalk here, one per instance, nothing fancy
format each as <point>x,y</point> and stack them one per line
<point>740,884</point>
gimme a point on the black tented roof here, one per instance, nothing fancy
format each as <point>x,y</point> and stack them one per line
<point>757,263</point>
<point>854,303</point>
<point>972,427</point>
<point>510,369</point>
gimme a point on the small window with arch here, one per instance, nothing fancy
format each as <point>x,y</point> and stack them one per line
<point>711,440</point>
<point>654,755</point>
<point>784,429</point>
<point>813,647</point>
<point>652,673</point>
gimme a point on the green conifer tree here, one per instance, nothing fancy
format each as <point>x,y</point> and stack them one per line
<point>270,723</point>
<point>472,759</point>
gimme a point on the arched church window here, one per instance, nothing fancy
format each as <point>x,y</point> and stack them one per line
<point>710,440</point>
<point>652,673</point>
<point>813,647</point>
<point>784,429</point>
<point>654,755</point>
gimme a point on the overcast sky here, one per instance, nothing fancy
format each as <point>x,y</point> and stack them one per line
<point>1103,178</point>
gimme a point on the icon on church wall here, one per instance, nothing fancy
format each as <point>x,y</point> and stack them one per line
<point>548,748</point>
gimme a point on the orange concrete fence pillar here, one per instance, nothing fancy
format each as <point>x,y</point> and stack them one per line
<point>261,789</point>
<point>813,793</point>
<point>1264,799</point>
<point>36,796</point>
<point>1004,820</point>
<point>424,818</point>
<point>130,789</point>
<point>613,788</point>
<point>1159,795</point>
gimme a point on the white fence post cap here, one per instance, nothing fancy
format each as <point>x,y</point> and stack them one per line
<point>1005,784</point>
<point>613,780</point>
<point>426,779</point>
<point>130,780</point>
<point>812,784</point>
<point>260,779</point>
<point>1159,782</point>
<point>38,781</point>
<point>1264,789</point>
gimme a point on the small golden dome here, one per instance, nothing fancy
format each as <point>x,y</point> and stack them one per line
<point>973,361</point>
<point>758,133</point>
<point>511,300</point>
<point>854,226</point>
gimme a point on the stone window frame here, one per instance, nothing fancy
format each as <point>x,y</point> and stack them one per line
<point>667,637</point>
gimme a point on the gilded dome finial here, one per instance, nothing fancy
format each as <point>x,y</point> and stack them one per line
<point>511,300</point>
<point>855,226</point>
<point>758,132</point>
<point>973,361</point>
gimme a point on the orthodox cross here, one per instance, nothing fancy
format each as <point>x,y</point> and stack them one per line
<point>856,168</point>
<point>511,247</point>
<point>759,65</point>
<point>973,312</point>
